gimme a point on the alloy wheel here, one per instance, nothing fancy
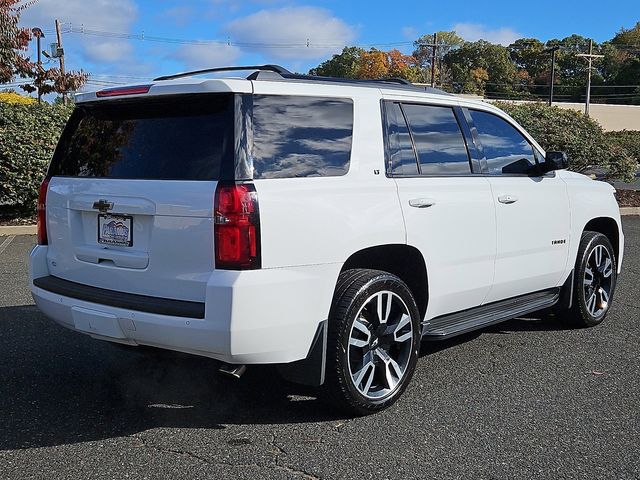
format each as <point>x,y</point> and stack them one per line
<point>597,281</point>
<point>380,345</point>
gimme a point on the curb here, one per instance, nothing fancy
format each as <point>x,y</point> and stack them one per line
<point>629,210</point>
<point>18,230</point>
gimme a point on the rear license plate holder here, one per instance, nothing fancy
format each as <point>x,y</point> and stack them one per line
<point>116,230</point>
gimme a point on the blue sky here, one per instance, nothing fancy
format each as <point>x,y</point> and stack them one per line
<point>276,31</point>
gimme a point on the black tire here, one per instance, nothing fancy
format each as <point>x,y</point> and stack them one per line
<point>588,306</point>
<point>355,291</point>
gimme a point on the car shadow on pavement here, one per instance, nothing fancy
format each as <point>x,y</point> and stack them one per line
<point>60,387</point>
<point>535,322</point>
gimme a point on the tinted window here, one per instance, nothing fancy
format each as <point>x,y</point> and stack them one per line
<point>296,136</point>
<point>183,139</point>
<point>439,140</point>
<point>401,153</point>
<point>505,148</point>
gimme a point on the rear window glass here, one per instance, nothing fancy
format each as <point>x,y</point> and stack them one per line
<point>185,138</point>
<point>401,152</point>
<point>299,136</point>
<point>438,139</point>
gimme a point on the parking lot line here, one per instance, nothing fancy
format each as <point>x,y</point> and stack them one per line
<point>6,243</point>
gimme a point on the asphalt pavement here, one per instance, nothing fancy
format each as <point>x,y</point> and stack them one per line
<point>525,399</point>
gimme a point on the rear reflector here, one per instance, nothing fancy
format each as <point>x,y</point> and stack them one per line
<point>118,91</point>
<point>42,212</point>
<point>237,227</point>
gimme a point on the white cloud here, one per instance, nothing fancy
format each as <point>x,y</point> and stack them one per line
<point>409,33</point>
<point>326,33</point>
<point>105,15</point>
<point>476,31</point>
<point>207,56</point>
<point>108,51</point>
<point>180,16</point>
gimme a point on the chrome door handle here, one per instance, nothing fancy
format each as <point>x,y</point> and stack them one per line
<point>507,199</point>
<point>422,202</point>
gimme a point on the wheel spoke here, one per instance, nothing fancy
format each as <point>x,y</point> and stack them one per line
<point>591,304</point>
<point>404,321</point>
<point>607,270</point>
<point>360,374</point>
<point>356,342</point>
<point>359,325</point>
<point>372,374</point>
<point>598,255</point>
<point>588,276</point>
<point>384,308</point>
<point>393,373</point>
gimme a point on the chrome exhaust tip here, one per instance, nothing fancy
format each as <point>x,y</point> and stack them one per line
<point>235,371</point>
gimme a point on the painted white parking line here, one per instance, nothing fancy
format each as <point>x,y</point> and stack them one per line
<point>6,243</point>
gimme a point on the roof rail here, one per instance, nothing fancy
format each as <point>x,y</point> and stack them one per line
<point>276,72</point>
<point>264,68</point>
<point>316,78</point>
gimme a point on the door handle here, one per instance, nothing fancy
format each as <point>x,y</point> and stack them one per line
<point>507,199</point>
<point>422,202</point>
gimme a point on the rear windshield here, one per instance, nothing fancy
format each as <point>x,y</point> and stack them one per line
<point>184,138</point>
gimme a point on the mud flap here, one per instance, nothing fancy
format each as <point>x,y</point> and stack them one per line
<point>566,294</point>
<point>309,371</point>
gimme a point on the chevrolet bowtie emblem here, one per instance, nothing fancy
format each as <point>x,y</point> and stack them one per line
<point>103,205</point>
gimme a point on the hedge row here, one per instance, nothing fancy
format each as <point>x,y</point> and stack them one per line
<point>629,140</point>
<point>582,138</point>
<point>29,132</point>
<point>28,136</point>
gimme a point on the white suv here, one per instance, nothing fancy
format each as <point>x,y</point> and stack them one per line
<point>323,225</point>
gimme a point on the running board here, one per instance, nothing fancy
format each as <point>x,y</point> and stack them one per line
<point>447,326</point>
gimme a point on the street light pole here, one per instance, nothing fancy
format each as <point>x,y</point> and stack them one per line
<point>553,51</point>
<point>38,34</point>
<point>589,56</point>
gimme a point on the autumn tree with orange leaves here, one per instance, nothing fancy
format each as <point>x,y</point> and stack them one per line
<point>356,62</point>
<point>14,61</point>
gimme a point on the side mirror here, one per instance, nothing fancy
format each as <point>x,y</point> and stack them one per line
<point>556,161</point>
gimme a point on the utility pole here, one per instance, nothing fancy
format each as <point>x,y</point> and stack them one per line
<point>60,55</point>
<point>433,59</point>
<point>553,51</point>
<point>589,56</point>
<point>38,34</point>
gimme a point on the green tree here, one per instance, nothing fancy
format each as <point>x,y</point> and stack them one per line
<point>529,54</point>
<point>627,61</point>
<point>342,65</point>
<point>422,52</point>
<point>494,59</point>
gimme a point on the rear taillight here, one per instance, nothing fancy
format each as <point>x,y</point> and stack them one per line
<point>42,213</point>
<point>237,227</point>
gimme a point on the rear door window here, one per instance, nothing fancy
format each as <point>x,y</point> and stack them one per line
<point>438,139</point>
<point>507,151</point>
<point>402,155</point>
<point>183,138</point>
<point>300,136</point>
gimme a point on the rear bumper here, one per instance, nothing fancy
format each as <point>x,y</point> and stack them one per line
<point>258,316</point>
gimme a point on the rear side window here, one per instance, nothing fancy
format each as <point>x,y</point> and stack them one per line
<point>299,136</point>
<point>184,138</point>
<point>438,139</point>
<point>507,151</point>
<point>401,153</point>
